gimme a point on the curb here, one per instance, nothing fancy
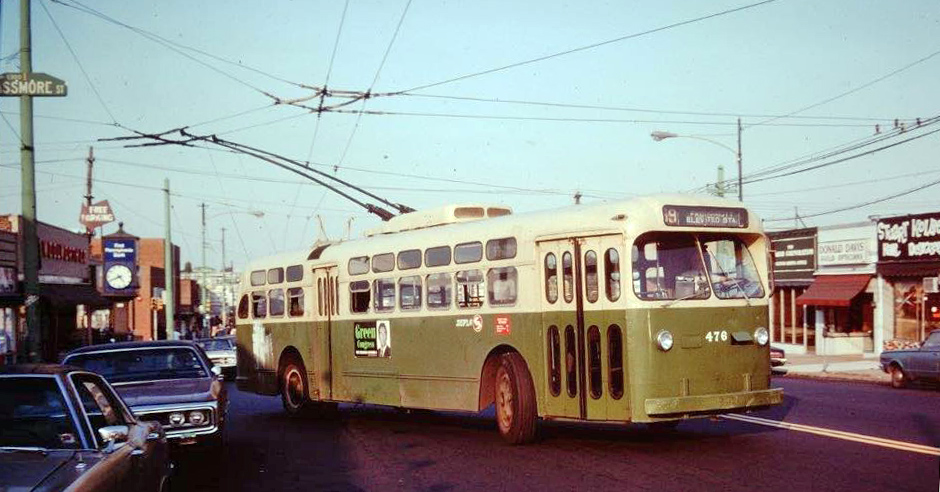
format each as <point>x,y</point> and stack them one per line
<point>839,377</point>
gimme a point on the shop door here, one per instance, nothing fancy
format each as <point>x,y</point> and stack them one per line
<point>326,307</point>
<point>583,328</point>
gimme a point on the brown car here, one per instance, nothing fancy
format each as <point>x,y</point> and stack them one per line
<point>65,428</point>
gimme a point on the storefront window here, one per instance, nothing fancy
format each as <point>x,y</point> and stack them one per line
<point>907,309</point>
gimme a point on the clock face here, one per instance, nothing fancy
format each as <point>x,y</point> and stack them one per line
<point>118,276</point>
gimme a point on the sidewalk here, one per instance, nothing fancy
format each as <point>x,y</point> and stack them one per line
<point>863,368</point>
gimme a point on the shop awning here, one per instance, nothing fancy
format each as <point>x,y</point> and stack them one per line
<point>833,290</point>
<point>62,295</point>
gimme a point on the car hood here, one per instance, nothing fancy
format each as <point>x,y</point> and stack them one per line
<point>168,391</point>
<point>55,470</point>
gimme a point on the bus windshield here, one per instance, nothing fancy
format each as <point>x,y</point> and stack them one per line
<point>678,266</point>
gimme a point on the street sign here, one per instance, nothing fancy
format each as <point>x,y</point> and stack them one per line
<point>96,215</point>
<point>31,84</point>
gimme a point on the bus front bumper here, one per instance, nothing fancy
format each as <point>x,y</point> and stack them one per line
<point>713,403</point>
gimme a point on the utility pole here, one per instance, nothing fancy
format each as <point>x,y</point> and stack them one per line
<point>34,335</point>
<point>224,285</point>
<point>203,290</point>
<point>169,305</point>
<point>740,183</point>
<point>89,233</point>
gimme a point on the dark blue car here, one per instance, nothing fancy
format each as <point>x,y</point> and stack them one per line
<point>922,363</point>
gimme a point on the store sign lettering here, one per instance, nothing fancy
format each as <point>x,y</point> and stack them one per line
<point>55,251</point>
<point>844,252</point>
<point>909,238</point>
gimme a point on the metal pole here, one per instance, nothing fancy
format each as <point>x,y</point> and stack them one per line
<point>740,184</point>
<point>89,233</point>
<point>224,279</point>
<point>34,336</point>
<point>169,306</point>
<point>720,187</point>
<point>203,290</point>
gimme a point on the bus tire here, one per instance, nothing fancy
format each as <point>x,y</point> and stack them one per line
<point>294,387</point>
<point>515,400</point>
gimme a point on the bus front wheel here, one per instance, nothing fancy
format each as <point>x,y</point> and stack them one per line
<point>515,400</point>
<point>294,387</point>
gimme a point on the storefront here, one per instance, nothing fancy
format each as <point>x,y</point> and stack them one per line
<point>64,285</point>
<point>793,269</point>
<point>909,265</point>
<point>843,293</point>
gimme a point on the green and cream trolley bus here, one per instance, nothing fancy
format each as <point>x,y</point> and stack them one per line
<point>650,310</point>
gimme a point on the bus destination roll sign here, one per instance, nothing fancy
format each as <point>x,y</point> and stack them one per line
<point>685,216</point>
<point>32,84</point>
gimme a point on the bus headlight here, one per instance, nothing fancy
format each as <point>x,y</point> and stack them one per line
<point>664,339</point>
<point>761,336</point>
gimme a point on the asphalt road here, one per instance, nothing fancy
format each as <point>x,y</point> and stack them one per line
<point>375,448</point>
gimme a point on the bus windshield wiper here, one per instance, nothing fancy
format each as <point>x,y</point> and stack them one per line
<point>697,293</point>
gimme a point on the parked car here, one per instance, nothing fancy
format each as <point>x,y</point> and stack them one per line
<point>172,382</point>
<point>905,366</point>
<point>66,428</point>
<point>778,357</point>
<point>221,351</point>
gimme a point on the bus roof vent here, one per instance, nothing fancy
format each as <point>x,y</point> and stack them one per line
<point>450,214</point>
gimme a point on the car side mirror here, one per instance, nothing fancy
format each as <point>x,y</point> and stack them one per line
<point>216,370</point>
<point>114,434</point>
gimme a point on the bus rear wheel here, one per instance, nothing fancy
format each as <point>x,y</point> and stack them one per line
<point>515,400</point>
<point>294,387</point>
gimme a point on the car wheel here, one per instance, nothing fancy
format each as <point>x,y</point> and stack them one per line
<point>294,387</point>
<point>515,400</point>
<point>898,378</point>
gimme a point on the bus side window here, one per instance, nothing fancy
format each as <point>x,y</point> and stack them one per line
<point>275,275</point>
<point>243,307</point>
<point>554,361</point>
<point>439,291</point>
<point>612,274</point>
<point>359,296</point>
<point>383,291</point>
<point>594,362</point>
<point>502,286</point>
<point>567,269</point>
<point>276,302</point>
<point>468,252</point>
<point>571,362</point>
<point>295,301</point>
<point>409,292</point>
<point>551,278</point>
<point>615,365</point>
<point>469,288</point>
<point>590,275</point>
<point>321,298</point>
<point>259,305</point>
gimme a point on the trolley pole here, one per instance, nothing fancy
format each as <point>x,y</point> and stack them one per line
<point>169,305</point>
<point>34,335</point>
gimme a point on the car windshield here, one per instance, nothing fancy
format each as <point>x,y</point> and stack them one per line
<point>214,345</point>
<point>146,364</point>
<point>33,414</point>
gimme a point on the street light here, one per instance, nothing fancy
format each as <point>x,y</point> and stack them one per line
<point>207,307</point>
<point>659,136</point>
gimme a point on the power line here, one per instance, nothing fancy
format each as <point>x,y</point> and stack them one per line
<point>588,47</point>
<point>852,91</point>
<point>846,185</point>
<point>375,79</point>
<point>643,110</point>
<point>838,161</point>
<point>60,118</point>
<point>860,205</point>
<point>78,62</point>
<point>326,83</point>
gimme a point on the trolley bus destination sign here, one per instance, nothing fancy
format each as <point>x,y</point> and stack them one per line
<point>685,216</point>
<point>32,84</point>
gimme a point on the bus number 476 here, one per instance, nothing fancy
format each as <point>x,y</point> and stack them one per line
<point>716,336</point>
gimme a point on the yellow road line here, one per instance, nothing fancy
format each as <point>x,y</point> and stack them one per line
<point>848,436</point>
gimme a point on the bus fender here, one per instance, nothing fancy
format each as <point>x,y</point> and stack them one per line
<point>488,375</point>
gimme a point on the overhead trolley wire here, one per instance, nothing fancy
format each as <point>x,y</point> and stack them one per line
<point>587,47</point>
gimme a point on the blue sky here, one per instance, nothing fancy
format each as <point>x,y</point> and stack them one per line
<point>772,59</point>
